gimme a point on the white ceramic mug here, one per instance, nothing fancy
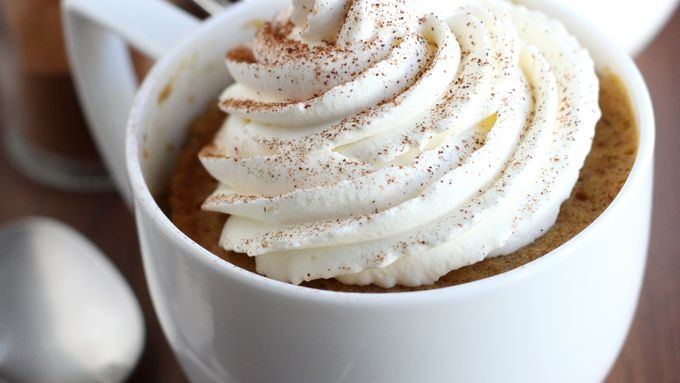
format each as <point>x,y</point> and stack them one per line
<point>633,24</point>
<point>563,317</point>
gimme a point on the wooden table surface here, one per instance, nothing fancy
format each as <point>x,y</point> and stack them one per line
<point>652,351</point>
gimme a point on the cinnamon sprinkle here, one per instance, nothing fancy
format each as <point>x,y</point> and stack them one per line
<point>241,54</point>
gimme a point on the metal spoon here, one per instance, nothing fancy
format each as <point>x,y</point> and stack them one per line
<point>214,6</point>
<point>66,313</point>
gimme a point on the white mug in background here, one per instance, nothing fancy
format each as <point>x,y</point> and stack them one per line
<point>633,24</point>
<point>563,317</point>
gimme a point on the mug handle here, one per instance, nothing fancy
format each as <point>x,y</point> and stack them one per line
<point>97,33</point>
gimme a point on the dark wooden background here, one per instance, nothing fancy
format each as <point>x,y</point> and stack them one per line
<point>652,351</point>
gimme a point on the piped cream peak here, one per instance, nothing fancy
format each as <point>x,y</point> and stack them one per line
<point>390,142</point>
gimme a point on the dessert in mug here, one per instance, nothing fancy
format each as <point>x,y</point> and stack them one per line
<point>375,146</point>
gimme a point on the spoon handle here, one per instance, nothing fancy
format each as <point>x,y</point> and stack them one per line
<point>214,6</point>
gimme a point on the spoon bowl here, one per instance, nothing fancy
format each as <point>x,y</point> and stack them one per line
<point>66,313</point>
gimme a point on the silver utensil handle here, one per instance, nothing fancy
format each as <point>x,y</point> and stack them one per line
<point>214,6</point>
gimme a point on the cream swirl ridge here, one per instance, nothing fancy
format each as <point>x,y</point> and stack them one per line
<point>374,144</point>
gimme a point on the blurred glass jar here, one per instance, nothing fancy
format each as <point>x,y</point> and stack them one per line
<point>45,134</point>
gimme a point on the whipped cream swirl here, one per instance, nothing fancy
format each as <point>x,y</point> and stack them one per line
<point>373,142</point>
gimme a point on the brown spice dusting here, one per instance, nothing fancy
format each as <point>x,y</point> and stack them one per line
<point>602,176</point>
<point>241,54</point>
<point>164,94</point>
<point>605,170</point>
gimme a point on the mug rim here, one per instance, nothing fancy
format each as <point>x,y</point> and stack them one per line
<point>626,70</point>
